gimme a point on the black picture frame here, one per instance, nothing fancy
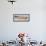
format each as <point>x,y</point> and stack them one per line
<point>21,17</point>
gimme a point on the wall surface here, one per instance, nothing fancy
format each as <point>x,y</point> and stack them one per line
<point>37,25</point>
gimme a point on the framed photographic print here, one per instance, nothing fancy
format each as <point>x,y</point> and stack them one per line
<point>21,17</point>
